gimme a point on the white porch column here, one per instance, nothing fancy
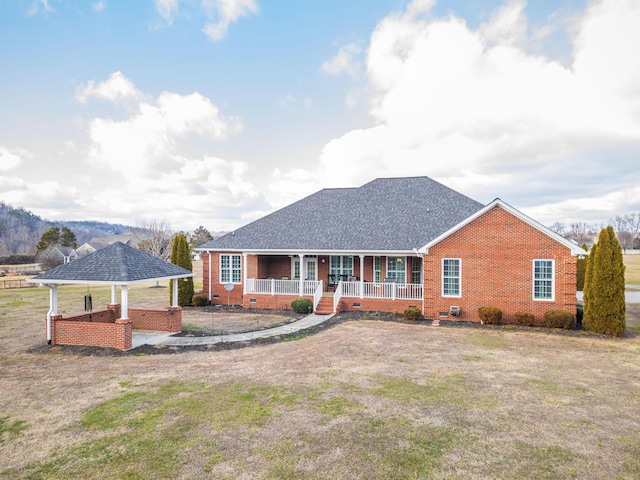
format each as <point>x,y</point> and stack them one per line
<point>124,302</point>
<point>53,308</point>
<point>174,292</point>
<point>301,289</point>
<point>114,295</point>
<point>244,273</point>
<point>209,255</point>
<point>361,276</point>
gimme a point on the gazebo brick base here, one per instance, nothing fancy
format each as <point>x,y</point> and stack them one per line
<point>104,329</point>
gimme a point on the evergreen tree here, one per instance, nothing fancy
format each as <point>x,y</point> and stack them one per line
<point>604,290</point>
<point>67,238</point>
<point>48,239</point>
<point>581,269</point>
<point>180,256</point>
<point>587,278</point>
<point>200,236</point>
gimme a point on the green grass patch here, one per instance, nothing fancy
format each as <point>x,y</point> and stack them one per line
<point>146,434</point>
<point>545,462</point>
<point>445,390</point>
<point>10,430</point>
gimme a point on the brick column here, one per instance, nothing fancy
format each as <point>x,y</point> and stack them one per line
<point>124,334</point>
<point>175,319</point>
<point>54,319</point>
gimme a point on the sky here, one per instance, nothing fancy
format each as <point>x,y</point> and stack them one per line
<point>217,112</point>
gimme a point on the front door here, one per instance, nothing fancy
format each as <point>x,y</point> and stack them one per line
<point>310,268</point>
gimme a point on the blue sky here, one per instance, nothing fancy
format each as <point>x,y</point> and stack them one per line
<point>216,112</point>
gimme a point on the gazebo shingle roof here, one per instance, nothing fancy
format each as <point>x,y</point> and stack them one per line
<point>116,264</point>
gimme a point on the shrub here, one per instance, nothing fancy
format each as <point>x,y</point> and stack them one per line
<point>490,315</point>
<point>604,302</point>
<point>412,313</point>
<point>302,305</point>
<point>559,319</point>
<point>200,300</point>
<point>525,318</point>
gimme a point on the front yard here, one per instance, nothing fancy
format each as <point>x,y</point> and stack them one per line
<point>364,399</point>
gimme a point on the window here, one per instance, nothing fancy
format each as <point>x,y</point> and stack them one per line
<point>396,268</point>
<point>416,270</point>
<point>341,265</point>
<point>451,273</point>
<point>376,269</point>
<point>543,279</point>
<point>230,269</point>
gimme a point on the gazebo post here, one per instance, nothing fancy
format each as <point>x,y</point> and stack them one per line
<point>174,293</point>
<point>114,297</point>
<point>53,308</point>
<point>124,294</point>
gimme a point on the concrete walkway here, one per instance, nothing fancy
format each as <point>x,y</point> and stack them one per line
<point>141,337</point>
<point>631,295</point>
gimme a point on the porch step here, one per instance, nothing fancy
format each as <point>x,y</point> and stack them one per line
<point>325,306</point>
<point>436,323</point>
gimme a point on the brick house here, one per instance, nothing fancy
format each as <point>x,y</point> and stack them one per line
<point>391,244</point>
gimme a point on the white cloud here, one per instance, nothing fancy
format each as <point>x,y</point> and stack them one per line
<point>475,109</point>
<point>226,12</point>
<point>166,9</point>
<point>115,89</point>
<point>508,26</point>
<point>9,160</point>
<point>344,61</point>
<point>99,6</point>
<point>40,6</point>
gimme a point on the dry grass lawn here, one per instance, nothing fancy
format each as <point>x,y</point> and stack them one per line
<point>632,270</point>
<point>362,400</point>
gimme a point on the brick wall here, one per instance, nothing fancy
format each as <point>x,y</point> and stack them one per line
<point>169,320</point>
<point>117,334</point>
<point>497,252</point>
<point>104,329</point>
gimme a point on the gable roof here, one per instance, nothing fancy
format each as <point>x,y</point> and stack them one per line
<point>386,214</point>
<point>117,264</point>
<point>575,249</point>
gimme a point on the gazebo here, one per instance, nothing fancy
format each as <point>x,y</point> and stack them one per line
<point>115,265</point>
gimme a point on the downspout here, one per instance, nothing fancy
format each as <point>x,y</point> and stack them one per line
<point>53,309</point>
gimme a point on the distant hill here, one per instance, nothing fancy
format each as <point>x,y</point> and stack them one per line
<point>20,230</point>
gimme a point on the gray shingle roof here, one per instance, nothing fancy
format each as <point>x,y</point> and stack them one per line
<point>118,264</point>
<point>387,214</point>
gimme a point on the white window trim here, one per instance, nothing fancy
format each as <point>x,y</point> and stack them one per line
<point>459,295</point>
<point>553,279</point>
<point>404,264</point>
<point>230,255</point>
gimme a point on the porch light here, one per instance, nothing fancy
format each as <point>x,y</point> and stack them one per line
<point>400,260</point>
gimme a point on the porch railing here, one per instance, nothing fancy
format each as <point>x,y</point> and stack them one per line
<point>317,295</point>
<point>392,291</point>
<point>271,286</point>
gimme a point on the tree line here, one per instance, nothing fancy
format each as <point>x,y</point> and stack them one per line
<point>626,228</point>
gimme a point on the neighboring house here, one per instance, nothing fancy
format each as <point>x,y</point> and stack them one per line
<point>98,243</point>
<point>66,254</point>
<point>391,244</point>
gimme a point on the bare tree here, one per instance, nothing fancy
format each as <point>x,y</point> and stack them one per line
<point>633,223</point>
<point>581,232</point>
<point>154,237</point>
<point>559,228</point>
<point>620,226</point>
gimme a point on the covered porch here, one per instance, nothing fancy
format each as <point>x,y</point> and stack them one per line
<point>345,279</point>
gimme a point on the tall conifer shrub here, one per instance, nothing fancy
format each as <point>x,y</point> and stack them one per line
<point>604,306</point>
<point>581,270</point>
<point>180,256</point>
